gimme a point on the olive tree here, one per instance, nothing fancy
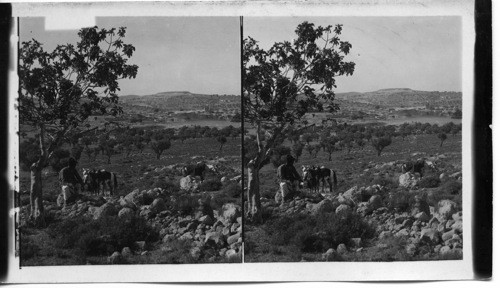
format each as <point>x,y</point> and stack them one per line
<point>283,83</point>
<point>59,90</point>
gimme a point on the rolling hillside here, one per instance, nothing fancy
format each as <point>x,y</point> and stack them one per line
<point>404,97</point>
<point>183,101</point>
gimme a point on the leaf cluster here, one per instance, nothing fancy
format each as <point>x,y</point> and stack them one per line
<point>283,83</point>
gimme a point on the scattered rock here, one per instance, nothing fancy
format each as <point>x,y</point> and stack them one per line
<point>158,206</point>
<point>115,258</point>
<point>126,213</point>
<point>343,208</point>
<point>331,255</point>
<point>105,210</point>
<point>446,208</point>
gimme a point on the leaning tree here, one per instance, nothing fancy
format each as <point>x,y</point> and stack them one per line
<point>59,90</point>
<point>285,82</point>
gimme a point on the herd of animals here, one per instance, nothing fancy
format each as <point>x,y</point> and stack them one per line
<point>316,178</point>
<point>99,181</point>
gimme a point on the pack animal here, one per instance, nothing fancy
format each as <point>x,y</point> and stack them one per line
<point>418,166</point>
<point>98,180</point>
<point>198,170</point>
<point>316,177</point>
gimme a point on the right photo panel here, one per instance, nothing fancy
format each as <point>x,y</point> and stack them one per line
<point>353,138</point>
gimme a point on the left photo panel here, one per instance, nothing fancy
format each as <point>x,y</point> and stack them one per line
<point>129,141</point>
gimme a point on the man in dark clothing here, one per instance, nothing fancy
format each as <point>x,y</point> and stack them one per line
<point>71,182</point>
<point>288,178</point>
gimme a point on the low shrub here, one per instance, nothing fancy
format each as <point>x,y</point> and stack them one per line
<point>232,189</point>
<point>184,204</point>
<point>210,185</point>
<point>318,233</point>
<point>399,200</point>
<point>340,228</point>
<point>28,248</point>
<point>429,181</point>
<point>101,237</point>
<point>170,187</point>
<point>388,182</point>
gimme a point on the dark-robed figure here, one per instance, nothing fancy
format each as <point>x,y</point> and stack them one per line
<point>70,180</point>
<point>288,178</point>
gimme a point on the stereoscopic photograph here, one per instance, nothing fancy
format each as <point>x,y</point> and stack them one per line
<point>130,139</point>
<point>219,142</point>
<point>353,144</point>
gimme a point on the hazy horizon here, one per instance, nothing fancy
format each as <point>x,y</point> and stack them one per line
<point>420,53</point>
<point>196,54</point>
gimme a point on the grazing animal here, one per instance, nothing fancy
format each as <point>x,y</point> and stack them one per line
<point>417,166</point>
<point>314,177</point>
<point>98,180</point>
<point>200,169</point>
<point>310,179</point>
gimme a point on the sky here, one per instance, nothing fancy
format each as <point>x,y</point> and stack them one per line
<point>196,54</point>
<point>202,54</point>
<point>421,53</point>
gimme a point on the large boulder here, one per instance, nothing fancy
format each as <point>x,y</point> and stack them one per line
<point>420,205</point>
<point>158,206</point>
<point>343,208</point>
<point>116,258</point>
<point>190,184</point>
<point>375,202</point>
<point>353,193</point>
<point>408,180</point>
<point>215,239</point>
<point>324,206</point>
<point>446,208</point>
<point>126,213</point>
<point>105,210</point>
<point>331,255</point>
<point>430,236</point>
<point>126,203</point>
<point>136,197</point>
<point>230,212</point>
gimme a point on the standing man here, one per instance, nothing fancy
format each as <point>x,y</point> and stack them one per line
<point>36,201</point>
<point>288,178</point>
<point>71,182</point>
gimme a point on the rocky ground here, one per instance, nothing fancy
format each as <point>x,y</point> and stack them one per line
<point>187,223</point>
<point>422,214</point>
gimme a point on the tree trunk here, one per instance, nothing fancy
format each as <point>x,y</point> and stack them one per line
<point>37,214</point>
<point>254,211</point>
<point>36,202</point>
<point>441,143</point>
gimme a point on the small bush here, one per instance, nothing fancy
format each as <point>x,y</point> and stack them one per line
<point>452,187</point>
<point>399,201</point>
<point>27,248</point>
<point>232,190</point>
<point>170,187</point>
<point>340,228</point>
<point>430,181</point>
<point>318,233</point>
<point>101,237</point>
<point>184,204</point>
<point>210,185</point>
<point>450,190</point>
<point>388,182</point>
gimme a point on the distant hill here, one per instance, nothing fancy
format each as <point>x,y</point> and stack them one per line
<point>183,101</point>
<point>403,97</point>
